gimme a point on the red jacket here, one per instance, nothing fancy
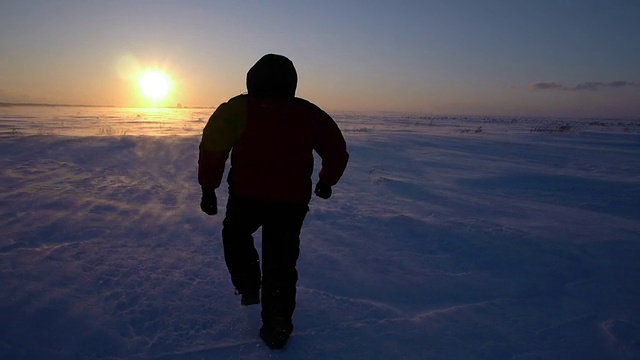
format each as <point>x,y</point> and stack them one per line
<point>271,141</point>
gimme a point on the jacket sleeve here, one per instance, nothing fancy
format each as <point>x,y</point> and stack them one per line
<point>332,148</point>
<point>218,137</point>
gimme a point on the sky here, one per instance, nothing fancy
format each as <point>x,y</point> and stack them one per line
<point>575,58</point>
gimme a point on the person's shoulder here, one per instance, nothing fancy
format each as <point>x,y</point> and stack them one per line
<point>234,104</point>
<point>238,100</point>
<point>303,102</point>
<point>309,106</point>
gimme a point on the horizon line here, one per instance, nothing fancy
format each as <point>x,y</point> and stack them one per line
<point>415,113</point>
<point>108,106</point>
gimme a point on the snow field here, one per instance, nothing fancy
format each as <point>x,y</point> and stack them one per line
<point>451,238</point>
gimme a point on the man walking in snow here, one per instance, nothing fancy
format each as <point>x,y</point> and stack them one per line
<point>271,135</point>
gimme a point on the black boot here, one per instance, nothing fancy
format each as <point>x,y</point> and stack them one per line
<point>247,285</point>
<point>276,332</point>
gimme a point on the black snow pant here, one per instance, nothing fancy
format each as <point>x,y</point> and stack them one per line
<point>281,224</point>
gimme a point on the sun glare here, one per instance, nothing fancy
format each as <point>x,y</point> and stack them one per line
<point>154,84</point>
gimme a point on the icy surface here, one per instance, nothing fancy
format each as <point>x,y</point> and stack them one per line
<point>448,238</point>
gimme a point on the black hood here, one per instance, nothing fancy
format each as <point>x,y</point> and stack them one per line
<point>272,76</point>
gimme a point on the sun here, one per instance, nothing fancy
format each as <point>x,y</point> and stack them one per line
<point>154,84</point>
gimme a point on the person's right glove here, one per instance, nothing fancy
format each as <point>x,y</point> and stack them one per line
<point>323,190</point>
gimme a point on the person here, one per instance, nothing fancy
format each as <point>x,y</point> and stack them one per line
<point>271,135</point>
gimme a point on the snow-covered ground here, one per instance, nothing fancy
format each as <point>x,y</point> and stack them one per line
<point>448,238</point>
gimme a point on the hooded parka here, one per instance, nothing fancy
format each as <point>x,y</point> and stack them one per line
<point>271,135</point>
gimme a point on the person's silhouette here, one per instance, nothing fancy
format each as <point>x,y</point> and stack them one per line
<point>271,135</point>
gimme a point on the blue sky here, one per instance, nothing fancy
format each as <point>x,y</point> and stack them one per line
<point>552,58</point>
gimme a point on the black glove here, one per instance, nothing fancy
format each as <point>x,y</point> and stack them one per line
<point>209,202</point>
<point>323,190</point>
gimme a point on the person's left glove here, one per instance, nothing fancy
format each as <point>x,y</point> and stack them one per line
<point>209,201</point>
<point>323,190</point>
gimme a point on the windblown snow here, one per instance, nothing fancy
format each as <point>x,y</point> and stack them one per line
<point>447,238</point>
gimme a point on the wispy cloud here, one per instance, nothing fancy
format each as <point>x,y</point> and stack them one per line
<point>546,85</point>
<point>586,86</point>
